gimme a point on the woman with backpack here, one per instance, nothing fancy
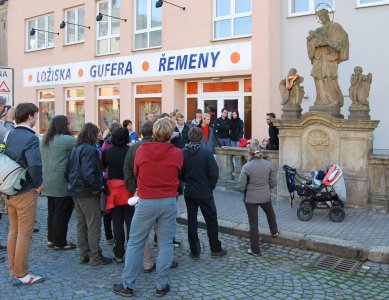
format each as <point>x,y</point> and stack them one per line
<point>55,149</point>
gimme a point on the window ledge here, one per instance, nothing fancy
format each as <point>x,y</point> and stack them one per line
<point>371,5</point>
<point>40,49</point>
<point>144,49</point>
<point>302,14</point>
<point>107,54</point>
<point>75,43</point>
<point>232,38</point>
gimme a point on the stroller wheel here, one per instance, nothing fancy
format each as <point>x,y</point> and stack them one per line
<point>338,202</point>
<point>336,214</point>
<point>305,212</point>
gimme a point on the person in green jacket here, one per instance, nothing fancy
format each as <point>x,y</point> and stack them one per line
<point>55,149</point>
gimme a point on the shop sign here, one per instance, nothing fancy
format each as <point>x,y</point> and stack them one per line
<point>7,84</point>
<point>220,58</point>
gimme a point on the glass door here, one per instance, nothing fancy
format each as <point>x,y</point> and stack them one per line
<point>213,106</point>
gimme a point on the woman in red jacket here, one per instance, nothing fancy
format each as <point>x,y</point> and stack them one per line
<point>157,165</point>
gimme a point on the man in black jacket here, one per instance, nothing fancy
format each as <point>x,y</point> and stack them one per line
<point>222,128</point>
<point>200,174</point>
<point>23,147</point>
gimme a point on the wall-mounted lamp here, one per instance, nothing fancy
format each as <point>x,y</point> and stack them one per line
<point>99,17</point>
<point>161,2</point>
<point>32,32</point>
<point>63,25</point>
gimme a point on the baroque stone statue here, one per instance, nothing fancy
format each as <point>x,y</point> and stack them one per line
<point>290,89</point>
<point>327,46</point>
<point>359,93</point>
<point>292,95</point>
<point>360,87</point>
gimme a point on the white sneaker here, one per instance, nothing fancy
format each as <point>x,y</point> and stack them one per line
<point>251,253</point>
<point>28,279</point>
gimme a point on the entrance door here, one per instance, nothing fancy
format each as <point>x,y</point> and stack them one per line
<point>213,106</point>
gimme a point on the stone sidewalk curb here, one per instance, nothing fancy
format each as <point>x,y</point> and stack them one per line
<point>341,248</point>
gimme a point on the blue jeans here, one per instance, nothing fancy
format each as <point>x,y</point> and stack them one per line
<point>147,212</point>
<point>224,142</point>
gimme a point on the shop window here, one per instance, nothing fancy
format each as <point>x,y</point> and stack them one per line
<point>232,18</point>
<point>46,100</point>
<point>108,29</point>
<point>247,86</point>
<point>149,89</point>
<point>41,39</point>
<point>148,25</point>
<point>75,34</point>
<point>232,86</point>
<point>305,7</point>
<point>108,105</point>
<point>247,117</point>
<point>144,107</point>
<point>192,88</point>
<point>191,107</point>
<point>75,110</point>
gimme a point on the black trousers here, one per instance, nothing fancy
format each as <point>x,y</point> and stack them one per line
<point>120,215</point>
<point>208,209</point>
<point>107,221</point>
<point>252,213</point>
<point>59,212</point>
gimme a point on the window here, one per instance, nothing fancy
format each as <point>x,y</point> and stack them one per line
<point>232,18</point>
<point>46,100</point>
<point>147,101</point>
<point>109,105</point>
<point>305,7</point>
<point>75,34</point>
<point>40,40</point>
<point>108,29</point>
<point>148,25</point>
<point>365,3</point>
<point>75,111</point>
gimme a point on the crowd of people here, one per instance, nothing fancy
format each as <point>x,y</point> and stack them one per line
<point>96,174</point>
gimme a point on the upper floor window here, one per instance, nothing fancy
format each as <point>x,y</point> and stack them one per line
<point>306,7</point>
<point>108,29</point>
<point>148,25</point>
<point>364,3</point>
<point>75,34</point>
<point>41,39</point>
<point>232,18</point>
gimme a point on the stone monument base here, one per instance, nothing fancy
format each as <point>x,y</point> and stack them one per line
<point>329,109</point>
<point>359,112</point>
<point>291,112</point>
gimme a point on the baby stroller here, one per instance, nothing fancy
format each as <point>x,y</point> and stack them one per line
<point>325,190</point>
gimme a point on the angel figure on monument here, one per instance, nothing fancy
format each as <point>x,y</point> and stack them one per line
<point>290,89</point>
<point>360,87</point>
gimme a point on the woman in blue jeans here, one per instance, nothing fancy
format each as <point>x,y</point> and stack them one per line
<point>157,165</point>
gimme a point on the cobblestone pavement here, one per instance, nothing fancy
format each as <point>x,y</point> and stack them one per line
<point>280,273</point>
<point>361,228</point>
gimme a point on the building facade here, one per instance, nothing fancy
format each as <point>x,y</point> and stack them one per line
<point>211,55</point>
<point>139,59</point>
<point>3,33</point>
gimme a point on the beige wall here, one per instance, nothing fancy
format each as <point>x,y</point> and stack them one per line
<point>181,29</point>
<point>3,35</point>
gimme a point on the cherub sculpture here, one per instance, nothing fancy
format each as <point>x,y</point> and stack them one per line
<point>360,87</point>
<point>291,91</point>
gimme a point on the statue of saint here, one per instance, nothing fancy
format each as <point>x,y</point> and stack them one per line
<point>360,87</point>
<point>327,46</point>
<point>290,89</point>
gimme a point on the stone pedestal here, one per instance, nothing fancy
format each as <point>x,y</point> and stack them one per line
<point>329,109</point>
<point>318,139</point>
<point>359,112</point>
<point>291,112</point>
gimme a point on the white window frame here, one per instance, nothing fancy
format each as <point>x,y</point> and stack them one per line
<point>376,3</point>
<point>311,10</point>
<point>109,36</point>
<point>232,16</point>
<point>35,19</point>
<point>148,29</point>
<point>77,28</point>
